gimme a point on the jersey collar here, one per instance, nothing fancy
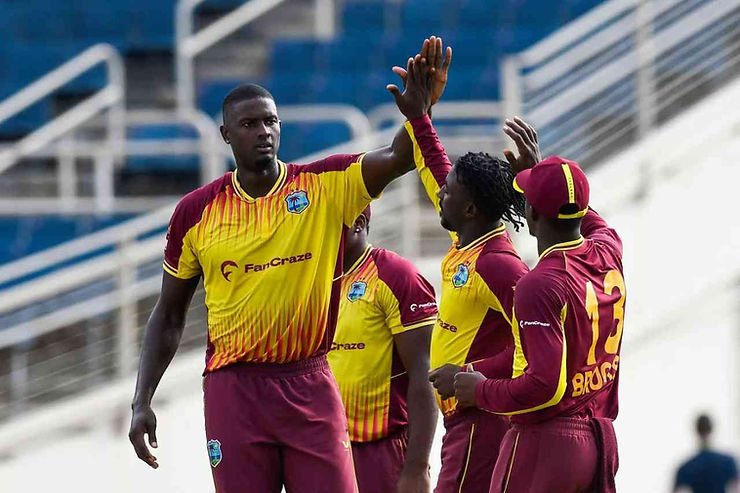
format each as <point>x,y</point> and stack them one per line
<point>491,234</point>
<point>566,245</point>
<point>283,172</point>
<point>365,255</point>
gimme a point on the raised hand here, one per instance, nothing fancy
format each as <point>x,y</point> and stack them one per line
<point>525,137</point>
<point>439,64</point>
<point>415,100</point>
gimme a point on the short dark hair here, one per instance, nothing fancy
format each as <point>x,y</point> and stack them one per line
<point>703,425</point>
<point>244,93</point>
<point>490,182</point>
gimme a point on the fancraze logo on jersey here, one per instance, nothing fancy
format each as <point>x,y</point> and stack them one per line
<point>415,307</point>
<point>229,266</point>
<point>338,346</point>
<point>446,326</point>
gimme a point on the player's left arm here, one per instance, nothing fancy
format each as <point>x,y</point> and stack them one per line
<point>413,348</point>
<point>541,343</point>
<point>407,300</point>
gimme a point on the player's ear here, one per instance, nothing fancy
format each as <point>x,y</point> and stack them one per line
<point>360,223</point>
<point>224,134</point>
<point>471,210</point>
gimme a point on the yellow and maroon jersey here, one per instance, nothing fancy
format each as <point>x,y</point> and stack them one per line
<point>270,265</point>
<point>478,279</point>
<point>383,295</point>
<point>569,314</point>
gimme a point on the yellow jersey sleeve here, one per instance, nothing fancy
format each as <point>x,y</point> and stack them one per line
<point>341,176</point>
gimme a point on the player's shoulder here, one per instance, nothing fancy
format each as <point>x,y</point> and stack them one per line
<point>191,206</point>
<point>499,260</point>
<point>392,265</point>
<point>335,162</point>
<point>541,279</point>
<point>397,272</point>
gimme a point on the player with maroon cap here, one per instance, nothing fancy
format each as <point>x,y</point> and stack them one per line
<point>568,319</point>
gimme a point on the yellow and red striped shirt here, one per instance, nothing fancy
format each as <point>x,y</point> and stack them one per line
<point>270,264</point>
<point>478,279</point>
<point>383,295</point>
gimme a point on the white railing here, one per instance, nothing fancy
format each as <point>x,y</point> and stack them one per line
<point>68,150</point>
<point>614,74</point>
<point>110,97</point>
<point>190,44</point>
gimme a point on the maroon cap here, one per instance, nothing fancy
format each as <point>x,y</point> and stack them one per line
<point>552,184</point>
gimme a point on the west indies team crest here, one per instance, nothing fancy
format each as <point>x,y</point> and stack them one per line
<point>461,276</point>
<point>297,201</point>
<point>214,452</point>
<point>357,290</point>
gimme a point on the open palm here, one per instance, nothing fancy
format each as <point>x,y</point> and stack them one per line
<point>438,62</point>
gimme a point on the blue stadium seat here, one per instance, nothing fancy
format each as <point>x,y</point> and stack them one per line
<point>359,16</point>
<point>162,163</point>
<point>431,15</point>
<point>29,234</point>
<point>300,139</point>
<point>297,54</point>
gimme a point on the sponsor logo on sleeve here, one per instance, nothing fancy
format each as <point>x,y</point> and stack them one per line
<point>530,323</point>
<point>421,306</point>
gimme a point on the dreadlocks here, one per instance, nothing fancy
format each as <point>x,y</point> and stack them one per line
<point>489,181</point>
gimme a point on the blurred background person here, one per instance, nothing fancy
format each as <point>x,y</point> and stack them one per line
<point>708,471</point>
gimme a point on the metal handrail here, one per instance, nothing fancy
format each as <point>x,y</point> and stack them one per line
<point>189,44</point>
<point>566,85</point>
<point>111,96</point>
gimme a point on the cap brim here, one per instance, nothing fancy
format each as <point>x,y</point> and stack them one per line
<point>521,180</point>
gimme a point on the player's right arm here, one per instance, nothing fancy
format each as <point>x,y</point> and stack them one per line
<point>162,337</point>
<point>540,353</point>
<point>424,81</point>
<point>182,270</point>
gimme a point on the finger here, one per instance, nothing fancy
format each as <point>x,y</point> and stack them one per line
<point>432,52</point>
<point>393,89</point>
<point>448,59</point>
<point>419,63</point>
<point>511,158</point>
<point>425,48</point>
<point>410,71</point>
<point>517,133</point>
<point>137,440</point>
<point>152,434</point>
<point>437,54</point>
<point>399,71</point>
<point>527,128</point>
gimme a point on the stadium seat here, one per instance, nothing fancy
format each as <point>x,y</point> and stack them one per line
<point>162,163</point>
<point>29,234</point>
